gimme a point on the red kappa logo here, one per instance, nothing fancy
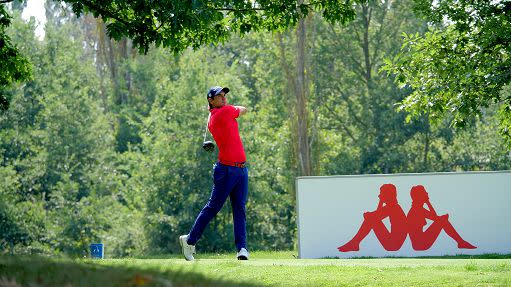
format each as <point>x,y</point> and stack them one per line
<point>402,225</point>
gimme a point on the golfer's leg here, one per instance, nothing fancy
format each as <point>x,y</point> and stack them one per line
<point>223,184</point>
<point>238,200</point>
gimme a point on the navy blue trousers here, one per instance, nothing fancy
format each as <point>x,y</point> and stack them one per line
<point>229,182</point>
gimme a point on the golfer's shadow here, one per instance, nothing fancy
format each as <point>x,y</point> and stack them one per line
<point>402,225</point>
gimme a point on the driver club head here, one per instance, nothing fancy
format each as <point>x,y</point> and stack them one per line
<point>208,146</point>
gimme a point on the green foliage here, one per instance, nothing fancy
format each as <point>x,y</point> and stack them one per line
<point>14,66</point>
<point>459,66</point>
<point>12,230</point>
<point>22,219</point>
<point>353,105</point>
<point>181,24</point>
<point>505,116</point>
<point>21,222</point>
<point>62,151</point>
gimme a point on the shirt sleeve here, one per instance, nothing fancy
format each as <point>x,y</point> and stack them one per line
<point>232,111</point>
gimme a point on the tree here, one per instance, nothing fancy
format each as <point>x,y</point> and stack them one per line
<point>21,215</point>
<point>359,130</point>
<point>12,230</point>
<point>461,64</point>
<point>182,24</point>
<point>58,143</point>
<point>14,67</point>
<point>175,24</point>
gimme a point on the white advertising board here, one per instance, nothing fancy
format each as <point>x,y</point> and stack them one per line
<point>331,215</point>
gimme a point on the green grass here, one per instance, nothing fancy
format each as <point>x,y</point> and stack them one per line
<point>264,269</point>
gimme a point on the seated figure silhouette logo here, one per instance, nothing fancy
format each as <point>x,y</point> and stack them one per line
<point>387,207</point>
<point>402,225</point>
<point>423,239</point>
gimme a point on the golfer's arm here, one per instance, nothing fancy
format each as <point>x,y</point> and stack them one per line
<point>243,110</point>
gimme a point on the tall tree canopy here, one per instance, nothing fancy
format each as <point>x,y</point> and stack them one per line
<point>462,63</point>
<point>181,24</point>
<point>14,66</point>
<point>178,24</point>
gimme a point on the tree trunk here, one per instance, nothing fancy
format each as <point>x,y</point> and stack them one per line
<point>427,140</point>
<point>366,16</point>
<point>302,115</point>
<point>291,84</point>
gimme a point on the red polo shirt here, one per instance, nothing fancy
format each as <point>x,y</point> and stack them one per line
<point>224,128</point>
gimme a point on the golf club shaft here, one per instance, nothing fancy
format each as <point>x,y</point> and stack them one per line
<point>206,129</point>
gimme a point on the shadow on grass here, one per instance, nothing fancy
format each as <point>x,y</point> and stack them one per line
<point>41,271</point>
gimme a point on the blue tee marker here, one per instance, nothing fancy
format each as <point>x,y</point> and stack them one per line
<point>97,251</point>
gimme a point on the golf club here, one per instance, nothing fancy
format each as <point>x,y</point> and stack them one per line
<point>208,146</point>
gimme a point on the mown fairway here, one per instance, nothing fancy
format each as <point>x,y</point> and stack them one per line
<point>264,269</point>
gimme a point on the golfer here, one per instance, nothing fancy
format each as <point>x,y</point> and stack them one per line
<point>230,175</point>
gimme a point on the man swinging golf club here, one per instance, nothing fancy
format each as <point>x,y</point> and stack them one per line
<point>230,175</point>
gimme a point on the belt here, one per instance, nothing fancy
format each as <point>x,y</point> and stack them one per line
<point>232,163</point>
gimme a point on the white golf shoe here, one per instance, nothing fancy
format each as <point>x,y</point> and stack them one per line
<point>242,254</point>
<point>188,250</point>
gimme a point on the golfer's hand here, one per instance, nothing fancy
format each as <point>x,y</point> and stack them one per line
<point>243,110</point>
